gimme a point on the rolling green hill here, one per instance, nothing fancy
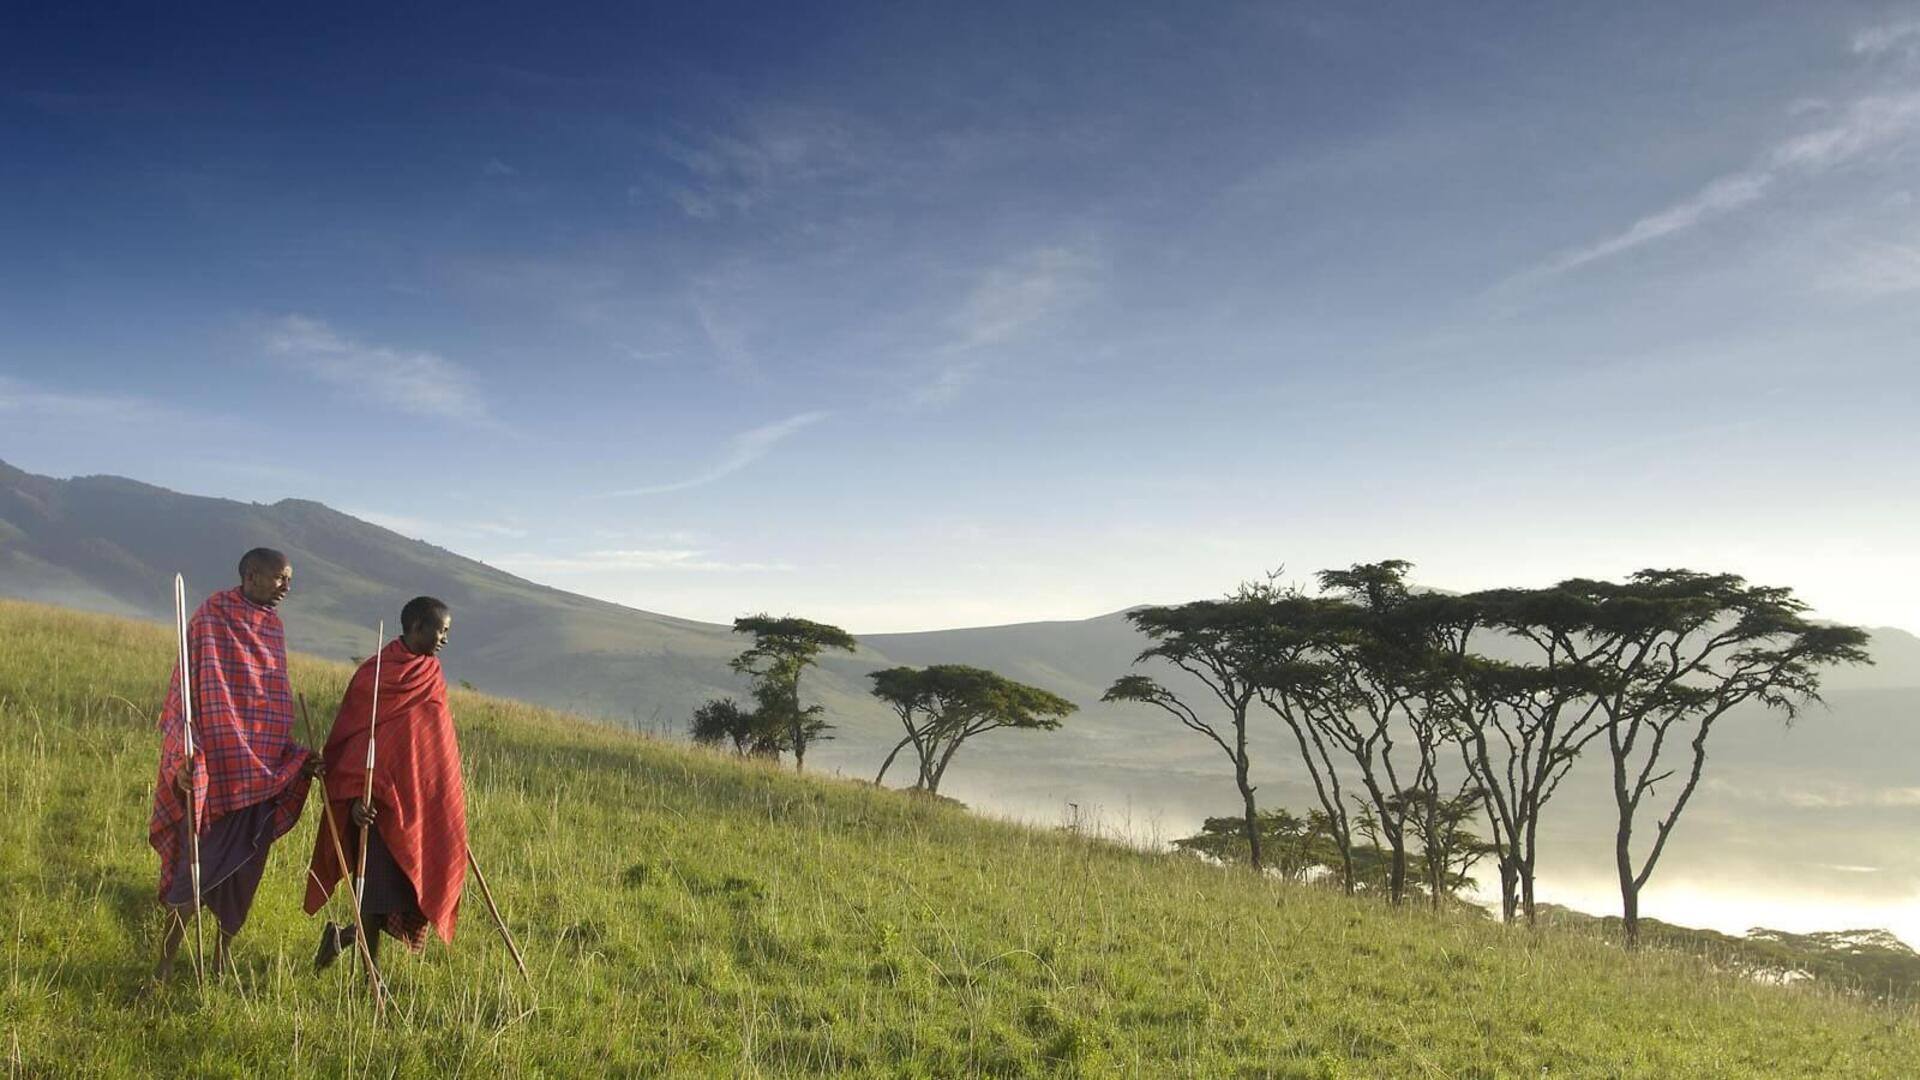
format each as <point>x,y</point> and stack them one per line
<point>1818,816</point>
<point>687,915</point>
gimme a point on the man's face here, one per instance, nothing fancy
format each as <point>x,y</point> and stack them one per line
<point>268,586</point>
<point>429,637</point>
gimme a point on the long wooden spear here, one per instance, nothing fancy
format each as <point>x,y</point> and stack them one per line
<point>497,920</point>
<point>340,859</point>
<point>373,715</point>
<point>186,727</point>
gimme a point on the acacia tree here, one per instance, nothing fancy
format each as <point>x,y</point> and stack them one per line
<point>943,706</point>
<point>1380,647</point>
<point>1681,650</point>
<point>1299,688</point>
<point>1519,727</point>
<point>921,699</point>
<point>1293,846</point>
<point>783,648</point>
<point>1215,641</point>
<point>1449,847</point>
<point>723,720</point>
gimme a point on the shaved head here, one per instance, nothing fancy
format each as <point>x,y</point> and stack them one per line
<point>265,576</point>
<point>262,560</point>
<point>421,611</point>
<point>426,622</point>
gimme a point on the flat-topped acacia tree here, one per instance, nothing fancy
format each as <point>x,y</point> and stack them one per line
<point>783,648</point>
<point>1218,643</point>
<point>1519,725</point>
<point>943,706</point>
<point>1678,650</point>
<point>1379,644</point>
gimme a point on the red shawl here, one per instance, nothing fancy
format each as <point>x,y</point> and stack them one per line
<point>417,788</point>
<point>243,744</point>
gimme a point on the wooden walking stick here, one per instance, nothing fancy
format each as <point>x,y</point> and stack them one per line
<point>186,728</point>
<point>340,858</point>
<point>373,715</point>
<point>498,922</point>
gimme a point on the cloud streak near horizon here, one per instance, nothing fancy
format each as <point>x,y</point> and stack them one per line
<point>742,450</point>
<point>631,559</point>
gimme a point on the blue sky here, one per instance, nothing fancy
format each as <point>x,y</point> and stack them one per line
<point>909,316</point>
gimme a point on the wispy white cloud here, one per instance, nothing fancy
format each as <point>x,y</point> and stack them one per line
<point>769,152</point>
<point>1009,301</point>
<point>423,383</point>
<point>1865,125</point>
<point>1723,195</point>
<point>1869,123</point>
<point>725,336</point>
<point>948,382</point>
<point>1888,37</point>
<point>742,450</point>
<point>421,528</point>
<point>1025,290</point>
<point>1842,798</point>
<point>631,560</point>
<point>1819,794</point>
<point>1874,270</point>
<point>21,397</point>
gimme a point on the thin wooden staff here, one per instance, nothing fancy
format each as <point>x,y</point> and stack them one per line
<point>499,922</point>
<point>186,727</point>
<point>340,859</point>
<point>373,714</point>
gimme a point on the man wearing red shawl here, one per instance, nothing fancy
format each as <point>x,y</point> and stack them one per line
<point>417,845</point>
<point>248,778</point>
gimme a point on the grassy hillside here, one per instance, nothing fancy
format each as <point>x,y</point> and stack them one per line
<point>690,916</point>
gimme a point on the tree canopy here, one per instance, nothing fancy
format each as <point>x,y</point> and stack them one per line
<point>783,648</point>
<point>942,706</point>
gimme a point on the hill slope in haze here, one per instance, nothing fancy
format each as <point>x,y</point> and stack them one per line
<point>113,545</point>
<point>687,915</point>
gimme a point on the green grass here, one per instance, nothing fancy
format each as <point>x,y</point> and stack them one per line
<point>687,916</point>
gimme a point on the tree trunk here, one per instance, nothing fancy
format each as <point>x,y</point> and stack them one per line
<point>1509,889</point>
<point>1526,893</point>
<point>888,764</point>
<point>1397,879</point>
<point>946,758</point>
<point>1253,823</point>
<point>1252,815</point>
<point>1629,888</point>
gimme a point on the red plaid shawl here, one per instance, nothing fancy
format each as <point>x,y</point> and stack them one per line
<point>242,726</point>
<point>416,783</point>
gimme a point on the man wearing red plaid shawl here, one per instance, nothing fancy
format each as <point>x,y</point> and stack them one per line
<point>417,845</point>
<point>248,778</point>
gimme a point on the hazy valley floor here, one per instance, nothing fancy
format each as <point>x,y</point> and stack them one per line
<point>685,915</point>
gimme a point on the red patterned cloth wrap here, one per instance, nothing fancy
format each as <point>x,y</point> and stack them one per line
<point>417,789</point>
<point>243,747</point>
